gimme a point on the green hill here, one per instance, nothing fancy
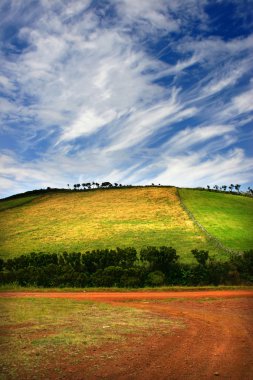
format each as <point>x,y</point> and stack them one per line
<point>227,217</point>
<point>81,221</point>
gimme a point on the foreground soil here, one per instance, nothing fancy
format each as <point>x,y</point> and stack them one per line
<point>216,339</point>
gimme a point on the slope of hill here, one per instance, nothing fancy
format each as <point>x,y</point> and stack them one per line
<point>15,202</point>
<point>227,217</point>
<point>80,221</point>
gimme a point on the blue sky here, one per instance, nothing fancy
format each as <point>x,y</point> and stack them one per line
<point>125,91</point>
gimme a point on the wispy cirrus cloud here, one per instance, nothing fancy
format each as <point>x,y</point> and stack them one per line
<point>122,90</point>
<point>226,78</point>
<point>231,165</point>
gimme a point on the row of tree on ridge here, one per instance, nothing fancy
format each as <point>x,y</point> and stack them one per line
<point>96,185</point>
<point>225,187</point>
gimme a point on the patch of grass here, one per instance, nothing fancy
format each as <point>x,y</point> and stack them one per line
<point>16,202</point>
<point>18,288</point>
<point>185,299</point>
<point>34,331</point>
<point>81,221</point>
<point>227,217</point>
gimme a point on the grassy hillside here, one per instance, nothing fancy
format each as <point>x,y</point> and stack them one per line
<point>10,203</point>
<point>227,217</point>
<point>78,221</point>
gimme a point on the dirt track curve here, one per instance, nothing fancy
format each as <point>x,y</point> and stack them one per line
<point>216,341</point>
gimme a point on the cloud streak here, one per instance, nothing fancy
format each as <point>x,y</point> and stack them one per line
<point>121,91</point>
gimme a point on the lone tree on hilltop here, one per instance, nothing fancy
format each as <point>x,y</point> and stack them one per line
<point>237,187</point>
<point>106,184</point>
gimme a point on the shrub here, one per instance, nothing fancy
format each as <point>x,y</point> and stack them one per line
<point>120,267</point>
<point>201,256</point>
<point>158,258</point>
<point>156,278</point>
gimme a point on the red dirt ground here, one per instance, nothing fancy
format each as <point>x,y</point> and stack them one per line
<point>216,341</point>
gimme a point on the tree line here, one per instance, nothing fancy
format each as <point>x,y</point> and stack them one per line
<point>124,267</point>
<point>229,188</point>
<point>94,185</point>
<point>108,185</point>
<point>103,185</point>
<point>225,187</point>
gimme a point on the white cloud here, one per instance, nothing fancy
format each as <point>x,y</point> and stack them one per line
<point>142,124</point>
<point>6,106</point>
<point>84,84</point>
<point>6,84</point>
<point>190,137</point>
<point>244,102</point>
<point>154,13</point>
<point>196,169</point>
<point>213,48</point>
<point>89,122</point>
<point>86,75</point>
<point>224,81</point>
<point>239,105</point>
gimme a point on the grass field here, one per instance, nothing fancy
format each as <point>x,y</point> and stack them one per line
<point>79,221</point>
<point>7,204</point>
<point>37,334</point>
<point>227,217</point>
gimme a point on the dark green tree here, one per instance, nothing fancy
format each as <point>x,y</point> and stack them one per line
<point>159,258</point>
<point>237,187</point>
<point>201,256</point>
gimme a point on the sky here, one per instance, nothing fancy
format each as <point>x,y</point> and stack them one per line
<point>126,91</point>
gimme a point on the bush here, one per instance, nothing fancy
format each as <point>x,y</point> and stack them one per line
<point>156,278</point>
<point>201,256</point>
<point>244,265</point>
<point>132,277</point>
<point>120,267</point>
<point>158,258</point>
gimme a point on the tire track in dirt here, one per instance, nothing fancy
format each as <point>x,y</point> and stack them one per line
<point>216,340</point>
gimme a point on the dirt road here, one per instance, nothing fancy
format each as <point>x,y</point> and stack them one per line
<point>120,296</point>
<point>216,339</point>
